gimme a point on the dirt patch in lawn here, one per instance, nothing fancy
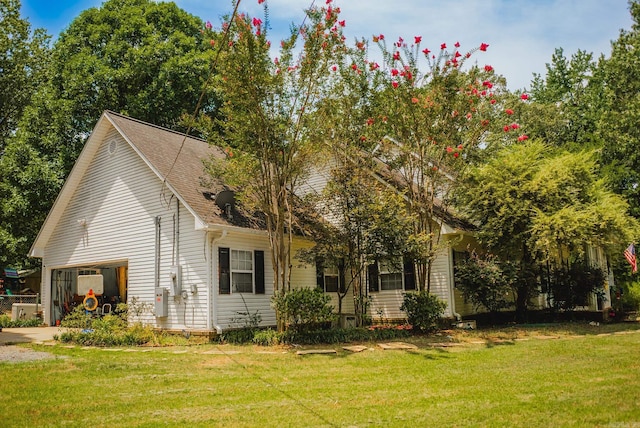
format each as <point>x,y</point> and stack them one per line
<point>17,354</point>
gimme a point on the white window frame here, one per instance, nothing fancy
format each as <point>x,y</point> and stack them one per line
<point>387,268</point>
<point>236,269</point>
<point>332,272</point>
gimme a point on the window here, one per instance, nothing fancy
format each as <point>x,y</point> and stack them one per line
<point>240,271</point>
<point>331,279</point>
<point>390,276</point>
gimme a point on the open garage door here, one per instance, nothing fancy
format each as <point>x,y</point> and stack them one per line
<point>70,286</point>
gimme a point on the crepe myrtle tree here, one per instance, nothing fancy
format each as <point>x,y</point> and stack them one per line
<point>425,115</point>
<point>269,114</point>
<point>367,223</point>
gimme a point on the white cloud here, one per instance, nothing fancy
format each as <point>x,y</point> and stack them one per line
<point>522,34</point>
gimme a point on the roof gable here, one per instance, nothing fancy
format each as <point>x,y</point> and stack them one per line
<point>175,158</point>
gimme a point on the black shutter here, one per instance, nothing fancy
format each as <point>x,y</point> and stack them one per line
<point>373,277</point>
<point>224,271</point>
<point>409,274</point>
<point>258,257</point>
<point>319,273</point>
<point>341,277</point>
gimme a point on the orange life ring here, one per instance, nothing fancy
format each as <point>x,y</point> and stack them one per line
<point>90,302</point>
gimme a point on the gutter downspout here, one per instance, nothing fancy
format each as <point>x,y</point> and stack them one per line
<point>452,288</point>
<point>212,301</point>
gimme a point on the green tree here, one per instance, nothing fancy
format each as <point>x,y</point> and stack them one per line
<point>618,125</point>
<point>270,119</point>
<point>369,223</point>
<point>425,122</point>
<point>567,102</point>
<point>138,57</point>
<point>23,55</point>
<point>535,205</point>
<point>145,59</point>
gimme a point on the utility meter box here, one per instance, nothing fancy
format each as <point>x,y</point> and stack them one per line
<point>175,280</point>
<point>162,302</point>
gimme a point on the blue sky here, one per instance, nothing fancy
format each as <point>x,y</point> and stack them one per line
<point>522,34</point>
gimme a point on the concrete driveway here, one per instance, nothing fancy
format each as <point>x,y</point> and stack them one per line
<point>27,334</point>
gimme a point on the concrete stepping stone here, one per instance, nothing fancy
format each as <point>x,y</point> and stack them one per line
<point>356,348</point>
<point>397,345</point>
<point>317,351</point>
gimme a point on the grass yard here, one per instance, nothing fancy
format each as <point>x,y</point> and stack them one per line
<point>534,377</point>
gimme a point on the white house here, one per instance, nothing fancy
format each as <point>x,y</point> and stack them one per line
<point>133,219</point>
<point>135,223</point>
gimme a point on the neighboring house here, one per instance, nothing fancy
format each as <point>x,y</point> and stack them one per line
<point>133,218</point>
<point>135,223</point>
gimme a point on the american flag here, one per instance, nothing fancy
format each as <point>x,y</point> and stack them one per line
<point>630,255</point>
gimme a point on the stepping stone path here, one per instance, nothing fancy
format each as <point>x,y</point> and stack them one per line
<point>396,345</point>
<point>355,349</point>
<point>317,351</point>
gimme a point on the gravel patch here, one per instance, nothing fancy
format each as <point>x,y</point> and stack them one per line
<point>17,354</point>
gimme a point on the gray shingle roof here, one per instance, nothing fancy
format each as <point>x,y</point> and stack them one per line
<point>179,161</point>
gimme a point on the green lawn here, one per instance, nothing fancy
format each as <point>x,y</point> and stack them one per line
<point>583,377</point>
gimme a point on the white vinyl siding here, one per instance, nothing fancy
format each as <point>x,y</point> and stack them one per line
<point>111,216</point>
<point>234,310</point>
<point>385,304</point>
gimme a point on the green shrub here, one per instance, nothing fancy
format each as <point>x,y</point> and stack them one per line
<point>340,335</point>
<point>5,322</point>
<point>238,336</point>
<point>304,308</point>
<point>109,330</point>
<point>571,286</point>
<point>631,297</point>
<point>424,310</point>
<point>486,282</point>
<point>266,337</point>
<point>271,337</point>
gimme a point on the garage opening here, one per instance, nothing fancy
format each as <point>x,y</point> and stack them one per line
<point>70,286</point>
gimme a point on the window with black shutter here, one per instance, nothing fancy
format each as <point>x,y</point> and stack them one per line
<point>409,275</point>
<point>240,271</point>
<point>258,257</point>
<point>319,273</point>
<point>224,271</point>
<point>372,271</point>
